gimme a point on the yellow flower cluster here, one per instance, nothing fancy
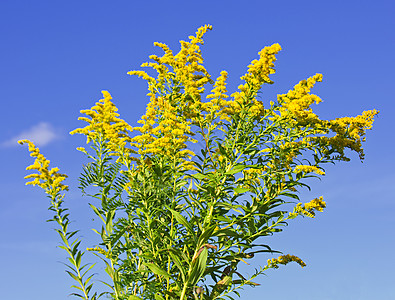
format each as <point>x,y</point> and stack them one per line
<point>142,74</point>
<point>169,135</point>
<point>184,75</point>
<point>257,74</point>
<point>176,92</point>
<point>283,260</point>
<point>296,103</point>
<point>308,169</point>
<point>49,180</point>
<point>350,132</point>
<point>316,204</point>
<point>219,90</point>
<point>188,61</point>
<point>256,109</point>
<point>218,106</point>
<point>187,70</point>
<point>354,127</point>
<point>104,123</point>
<point>308,209</point>
<point>260,69</point>
<point>252,175</point>
<point>175,99</point>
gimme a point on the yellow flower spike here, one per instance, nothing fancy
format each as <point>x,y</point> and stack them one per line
<point>296,103</point>
<point>349,132</point>
<point>218,106</point>
<point>283,260</point>
<point>49,180</point>
<point>309,209</point>
<point>180,69</point>
<point>164,129</point>
<point>308,169</point>
<point>259,70</point>
<point>104,122</point>
<point>316,204</point>
<point>141,74</point>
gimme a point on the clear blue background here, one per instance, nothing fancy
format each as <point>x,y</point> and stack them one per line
<point>56,57</point>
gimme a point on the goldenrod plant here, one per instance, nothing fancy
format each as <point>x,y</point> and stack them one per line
<point>198,187</point>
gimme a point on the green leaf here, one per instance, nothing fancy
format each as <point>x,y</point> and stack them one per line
<point>178,263</point>
<point>77,295</point>
<point>236,169</point>
<point>291,195</point>
<point>77,287</point>
<point>75,248</point>
<point>207,233</point>
<point>88,279</point>
<point>227,232</point>
<point>220,287</point>
<point>109,217</point>
<point>115,237</point>
<point>230,206</point>
<point>221,149</point>
<point>181,184</point>
<point>106,189</point>
<point>180,219</point>
<point>134,297</point>
<point>199,176</point>
<point>157,169</point>
<point>69,235</point>
<point>199,266</point>
<point>109,270</point>
<point>87,270</point>
<point>159,297</point>
<point>97,212</point>
<point>240,190</point>
<point>78,259</point>
<point>73,276</point>
<point>157,270</point>
<point>62,236</point>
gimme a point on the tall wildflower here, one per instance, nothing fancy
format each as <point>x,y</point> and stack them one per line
<point>174,215</point>
<point>48,179</point>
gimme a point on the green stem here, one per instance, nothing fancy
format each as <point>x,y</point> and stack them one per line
<point>63,223</point>
<point>184,290</point>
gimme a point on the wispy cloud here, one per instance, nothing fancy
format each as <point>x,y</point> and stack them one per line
<point>41,134</point>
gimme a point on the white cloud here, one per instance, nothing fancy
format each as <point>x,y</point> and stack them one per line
<point>40,134</point>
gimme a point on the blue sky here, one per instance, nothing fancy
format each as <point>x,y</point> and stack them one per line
<point>56,57</point>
